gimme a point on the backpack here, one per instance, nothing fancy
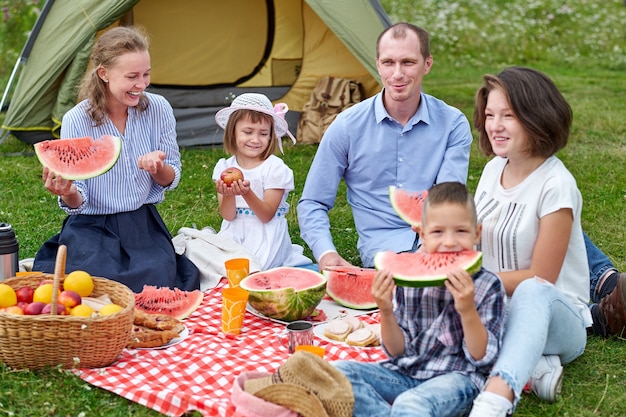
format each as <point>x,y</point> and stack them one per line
<point>329,97</point>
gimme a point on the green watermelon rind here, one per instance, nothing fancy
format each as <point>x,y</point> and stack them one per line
<point>286,304</point>
<point>338,299</point>
<point>394,193</point>
<point>472,265</point>
<point>41,147</point>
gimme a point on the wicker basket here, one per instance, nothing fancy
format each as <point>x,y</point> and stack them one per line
<point>35,342</point>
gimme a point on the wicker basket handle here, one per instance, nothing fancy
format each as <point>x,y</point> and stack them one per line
<point>59,272</point>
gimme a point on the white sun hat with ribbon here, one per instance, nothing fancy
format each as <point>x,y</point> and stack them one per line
<point>260,103</point>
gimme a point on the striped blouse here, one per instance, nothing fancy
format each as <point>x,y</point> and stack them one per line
<point>125,187</point>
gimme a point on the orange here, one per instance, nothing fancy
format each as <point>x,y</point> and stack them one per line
<point>110,309</point>
<point>80,282</point>
<point>82,310</point>
<point>43,293</point>
<point>8,297</point>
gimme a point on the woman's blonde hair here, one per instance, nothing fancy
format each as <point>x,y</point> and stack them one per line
<point>107,49</point>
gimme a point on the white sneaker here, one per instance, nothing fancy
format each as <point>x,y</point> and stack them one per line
<point>547,378</point>
<point>485,406</point>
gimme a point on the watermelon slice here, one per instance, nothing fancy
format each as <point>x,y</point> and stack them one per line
<point>420,269</point>
<point>173,302</point>
<point>285,293</point>
<point>79,158</point>
<point>351,286</point>
<point>408,204</point>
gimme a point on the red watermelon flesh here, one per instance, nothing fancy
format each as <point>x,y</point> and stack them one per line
<point>173,302</point>
<point>408,204</point>
<point>79,158</point>
<point>285,293</point>
<point>421,269</point>
<point>351,286</point>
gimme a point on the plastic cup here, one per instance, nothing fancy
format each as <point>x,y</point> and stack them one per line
<point>234,302</point>
<point>316,350</point>
<point>236,270</point>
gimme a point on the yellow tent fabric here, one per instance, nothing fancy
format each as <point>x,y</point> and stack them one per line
<point>203,54</point>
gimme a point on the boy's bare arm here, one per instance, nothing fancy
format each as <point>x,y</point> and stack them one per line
<point>461,286</point>
<point>391,334</point>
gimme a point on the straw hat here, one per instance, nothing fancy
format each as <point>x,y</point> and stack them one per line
<point>260,103</point>
<point>308,385</point>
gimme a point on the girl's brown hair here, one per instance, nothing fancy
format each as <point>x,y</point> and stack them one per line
<point>230,141</point>
<point>537,103</point>
<point>106,50</point>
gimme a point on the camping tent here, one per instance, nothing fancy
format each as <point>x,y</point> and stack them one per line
<point>203,54</point>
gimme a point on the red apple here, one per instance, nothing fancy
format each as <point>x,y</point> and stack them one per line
<point>34,309</point>
<point>61,311</point>
<point>69,298</point>
<point>25,294</point>
<point>230,175</point>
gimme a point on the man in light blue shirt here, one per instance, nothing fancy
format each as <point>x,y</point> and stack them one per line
<point>399,137</point>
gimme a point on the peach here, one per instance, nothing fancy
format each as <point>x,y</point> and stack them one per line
<point>34,308</point>
<point>69,298</point>
<point>61,310</point>
<point>25,294</point>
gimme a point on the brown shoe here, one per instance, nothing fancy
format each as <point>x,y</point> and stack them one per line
<point>612,309</point>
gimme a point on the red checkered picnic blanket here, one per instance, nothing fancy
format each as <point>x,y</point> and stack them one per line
<point>198,373</point>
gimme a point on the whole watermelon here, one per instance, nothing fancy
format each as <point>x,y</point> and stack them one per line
<point>285,293</point>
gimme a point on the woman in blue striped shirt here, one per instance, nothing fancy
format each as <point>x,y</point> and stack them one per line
<point>113,228</point>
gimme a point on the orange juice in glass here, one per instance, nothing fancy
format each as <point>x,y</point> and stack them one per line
<point>236,270</point>
<point>234,302</point>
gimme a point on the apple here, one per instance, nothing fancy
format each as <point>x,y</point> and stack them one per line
<point>25,294</point>
<point>230,175</point>
<point>14,310</point>
<point>22,305</point>
<point>34,309</point>
<point>61,311</point>
<point>69,298</point>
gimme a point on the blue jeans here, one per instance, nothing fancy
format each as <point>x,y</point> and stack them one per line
<point>542,321</point>
<point>599,263</point>
<point>381,392</point>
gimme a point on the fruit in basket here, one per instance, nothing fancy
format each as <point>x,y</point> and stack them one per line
<point>351,286</point>
<point>79,158</point>
<point>69,298</point>
<point>8,297</point>
<point>173,302</point>
<point>34,308</point>
<point>25,294</point>
<point>82,310</point>
<point>420,269</point>
<point>109,309</point>
<point>61,310</point>
<point>408,204</point>
<point>285,293</point>
<point>43,293</point>
<point>79,281</point>
<point>14,310</point>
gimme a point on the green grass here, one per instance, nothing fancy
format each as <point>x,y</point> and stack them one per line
<point>581,46</point>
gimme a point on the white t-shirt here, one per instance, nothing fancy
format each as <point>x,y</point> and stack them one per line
<point>510,221</point>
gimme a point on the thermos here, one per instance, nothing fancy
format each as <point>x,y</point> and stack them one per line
<point>8,252</point>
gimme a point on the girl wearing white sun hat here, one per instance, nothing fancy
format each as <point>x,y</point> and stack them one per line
<point>253,195</point>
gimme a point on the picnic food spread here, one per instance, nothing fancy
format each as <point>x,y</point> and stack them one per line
<point>153,330</point>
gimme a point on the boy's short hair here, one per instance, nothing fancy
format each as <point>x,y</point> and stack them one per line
<point>449,192</point>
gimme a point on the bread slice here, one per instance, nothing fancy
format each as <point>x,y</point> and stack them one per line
<point>354,322</point>
<point>362,337</point>
<point>156,321</point>
<point>143,337</point>
<point>337,329</point>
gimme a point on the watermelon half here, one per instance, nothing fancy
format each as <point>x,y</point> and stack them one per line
<point>420,269</point>
<point>79,158</point>
<point>408,204</point>
<point>285,293</point>
<point>351,286</point>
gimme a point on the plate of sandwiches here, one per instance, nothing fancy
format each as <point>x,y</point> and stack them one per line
<point>349,331</point>
<point>155,331</point>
